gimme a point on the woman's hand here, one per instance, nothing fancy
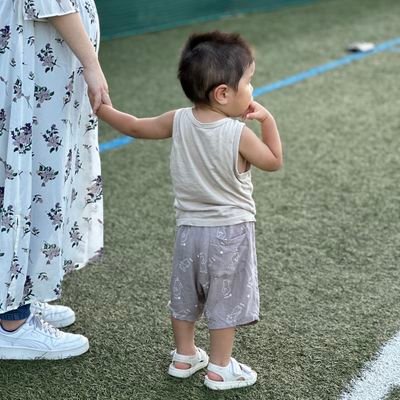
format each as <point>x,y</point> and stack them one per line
<point>97,86</point>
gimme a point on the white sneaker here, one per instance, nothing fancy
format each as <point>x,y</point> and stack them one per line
<point>57,316</point>
<point>36,339</point>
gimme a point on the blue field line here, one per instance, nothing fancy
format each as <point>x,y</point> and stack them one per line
<point>322,69</point>
<point>115,143</point>
<point>290,80</point>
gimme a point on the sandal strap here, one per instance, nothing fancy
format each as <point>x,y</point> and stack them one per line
<point>232,372</point>
<point>239,368</point>
<point>192,360</point>
<point>236,367</point>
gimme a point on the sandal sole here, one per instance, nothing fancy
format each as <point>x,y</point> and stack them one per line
<point>186,373</point>
<point>217,385</point>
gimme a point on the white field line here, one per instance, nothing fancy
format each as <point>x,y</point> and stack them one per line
<point>380,376</point>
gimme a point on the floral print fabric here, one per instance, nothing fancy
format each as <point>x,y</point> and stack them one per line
<point>51,211</point>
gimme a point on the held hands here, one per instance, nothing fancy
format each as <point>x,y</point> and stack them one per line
<point>97,86</point>
<point>257,112</point>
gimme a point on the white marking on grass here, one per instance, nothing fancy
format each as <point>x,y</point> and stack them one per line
<point>380,376</point>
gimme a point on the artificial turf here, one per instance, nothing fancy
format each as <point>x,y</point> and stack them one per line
<point>327,223</point>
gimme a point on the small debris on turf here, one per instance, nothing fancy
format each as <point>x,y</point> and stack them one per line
<point>360,47</point>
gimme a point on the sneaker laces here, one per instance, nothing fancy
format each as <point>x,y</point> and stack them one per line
<point>40,305</point>
<point>43,326</point>
<point>39,308</point>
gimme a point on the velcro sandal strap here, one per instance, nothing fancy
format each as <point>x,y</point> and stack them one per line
<point>232,372</point>
<point>239,369</point>
<point>236,367</point>
<point>192,360</point>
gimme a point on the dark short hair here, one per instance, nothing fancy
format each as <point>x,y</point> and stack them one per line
<point>211,59</point>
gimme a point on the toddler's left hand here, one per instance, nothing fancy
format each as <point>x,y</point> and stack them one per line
<point>256,111</point>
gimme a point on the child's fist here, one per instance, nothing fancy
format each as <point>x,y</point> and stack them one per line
<point>256,111</point>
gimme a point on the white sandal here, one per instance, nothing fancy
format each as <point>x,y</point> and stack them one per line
<point>196,362</point>
<point>235,375</point>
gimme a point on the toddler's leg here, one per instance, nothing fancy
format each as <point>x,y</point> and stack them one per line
<point>184,339</point>
<point>224,372</point>
<point>221,344</point>
<point>187,359</point>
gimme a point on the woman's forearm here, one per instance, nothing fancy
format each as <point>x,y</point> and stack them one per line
<point>71,29</point>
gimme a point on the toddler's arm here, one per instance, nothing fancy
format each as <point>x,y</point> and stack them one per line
<point>145,128</point>
<point>265,154</point>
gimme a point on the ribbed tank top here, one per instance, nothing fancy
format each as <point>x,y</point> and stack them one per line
<point>208,188</point>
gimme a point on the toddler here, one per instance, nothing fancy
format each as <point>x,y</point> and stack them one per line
<point>214,268</point>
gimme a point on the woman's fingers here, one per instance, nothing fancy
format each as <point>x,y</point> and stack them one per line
<point>98,98</point>
<point>96,101</point>
<point>106,98</point>
<point>97,87</point>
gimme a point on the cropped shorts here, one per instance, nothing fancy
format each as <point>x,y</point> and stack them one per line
<point>215,273</point>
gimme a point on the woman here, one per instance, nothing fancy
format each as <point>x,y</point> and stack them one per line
<point>50,182</point>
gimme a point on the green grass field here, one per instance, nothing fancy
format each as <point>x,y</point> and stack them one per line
<point>327,223</point>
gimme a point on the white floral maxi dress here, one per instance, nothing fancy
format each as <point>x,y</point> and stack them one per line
<point>51,207</point>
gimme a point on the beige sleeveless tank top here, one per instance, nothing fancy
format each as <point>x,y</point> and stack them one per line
<point>208,188</point>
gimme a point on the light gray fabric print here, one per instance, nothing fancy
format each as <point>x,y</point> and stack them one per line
<point>233,316</point>
<point>185,264</point>
<point>177,289</point>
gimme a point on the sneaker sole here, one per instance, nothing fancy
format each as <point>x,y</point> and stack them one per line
<point>217,385</point>
<point>29,354</point>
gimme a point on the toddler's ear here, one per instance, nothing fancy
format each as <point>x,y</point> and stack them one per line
<point>220,94</point>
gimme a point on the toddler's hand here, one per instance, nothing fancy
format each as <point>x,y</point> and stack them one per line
<point>256,111</point>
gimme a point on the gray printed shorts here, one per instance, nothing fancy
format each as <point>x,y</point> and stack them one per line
<point>215,272</point>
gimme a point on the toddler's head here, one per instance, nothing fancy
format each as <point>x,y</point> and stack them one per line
<point>212,59</point>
